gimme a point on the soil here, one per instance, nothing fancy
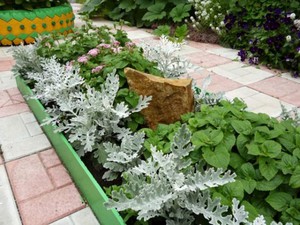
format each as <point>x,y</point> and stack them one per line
<point>204,36</point>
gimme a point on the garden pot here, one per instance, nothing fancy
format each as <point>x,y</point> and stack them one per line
<point>17,26</point>
<point>91,191</point>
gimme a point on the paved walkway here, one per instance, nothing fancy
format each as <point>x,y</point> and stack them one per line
<point>35,188</point>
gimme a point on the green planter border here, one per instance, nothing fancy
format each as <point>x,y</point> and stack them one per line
<point>85,182</point>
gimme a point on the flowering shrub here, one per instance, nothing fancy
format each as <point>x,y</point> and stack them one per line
<point>270,35</point>
<point>208,14</point>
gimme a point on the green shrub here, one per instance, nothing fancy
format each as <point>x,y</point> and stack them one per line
<point>263,152</point>
<point>140,12</point>
<point>29,4</point>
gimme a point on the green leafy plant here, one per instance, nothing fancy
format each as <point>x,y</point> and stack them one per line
<point>263,152</point>
<point>179,34</point>
<point>140,13</point>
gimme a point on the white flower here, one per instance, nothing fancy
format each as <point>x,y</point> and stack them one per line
<point>297,24</point>
<point>204,13</point>
<point>288,38</point>
<point>292,16</point>
<point>217,29</point>
<point>222,23</point>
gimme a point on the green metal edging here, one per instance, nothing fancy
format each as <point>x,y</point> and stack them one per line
<point>88,186</point>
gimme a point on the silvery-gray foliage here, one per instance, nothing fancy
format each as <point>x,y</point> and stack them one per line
<point>170,187</point>
<point>27,59</point>
<point>122,157</point>
<point>165,54</point>
<point>165,185</point>
<point>205,97</point>
<point>88,116</point>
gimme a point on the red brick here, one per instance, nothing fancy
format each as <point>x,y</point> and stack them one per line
<point>203,46</point>
<point>49,158</point>
<point>276,86</point>
<point>293,98</point>
<point>6,65</point>
<point>17,99</point>
<point>28,177</point>
<point>50,207</point>
<point>13,109</point>
<point>59,176</point>
<point>206,60</point>
<point>4,98</point>
<point>13,91</point>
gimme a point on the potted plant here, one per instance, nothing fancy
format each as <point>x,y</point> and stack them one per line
<point>21,21</point>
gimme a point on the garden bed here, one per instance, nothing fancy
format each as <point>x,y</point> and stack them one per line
<point>85,182</point>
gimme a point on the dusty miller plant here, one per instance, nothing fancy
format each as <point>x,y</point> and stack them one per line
<point>87,116</point>
<point>27,59</point>
<point>169,186</point>
<point>165,54</point>
<point>293,115</point>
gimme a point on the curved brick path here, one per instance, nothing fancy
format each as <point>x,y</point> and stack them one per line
<point>35,188</point>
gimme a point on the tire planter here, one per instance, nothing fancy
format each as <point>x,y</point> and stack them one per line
<point>90,190</point>
<point>17,26</point>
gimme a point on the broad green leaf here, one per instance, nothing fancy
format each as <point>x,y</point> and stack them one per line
<point>287,141</point>
<point>287,163</point>
<point>180,11</point>
<point>197,122</point>
<point>296,152</point>
<point>250,209</point>
<point>267,167</point>
<point>163,30</point>
<point>242,127</point>
<point>155,12</point>
<point>235,160</point>
<point>216,136</point>
<point>181,32</point>
<point>241,142</point>
<point>234,190</point>
<point>270,185</point>
<point>279,200</point>
<point>128,5</point>
<point>200,138</point>
<point>247,171</point>
<point>228,141</point>
<point>91,5</point>
<point>271,148</point>
<point>219,158</point>
<point>249,185</point>
<point>253,149</point>
<point>295,178</point>
<point>143,4</point>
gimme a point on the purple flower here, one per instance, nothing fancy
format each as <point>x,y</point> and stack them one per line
<point>298,49</point>
<point>97,69</point>
<point>83,59</point>
<point>93,52</point>
<point>253,60</point>
<point>116,43</point>
<point>243,54</point>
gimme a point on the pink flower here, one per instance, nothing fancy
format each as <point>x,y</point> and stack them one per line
<point>103,45</point>
<point>116,43</point>
<point>130,44</point>
<point>93,52</point>
<point>83,59</point>
<point>69,65</point>
<point>117,49</point>
<point>97,69</point>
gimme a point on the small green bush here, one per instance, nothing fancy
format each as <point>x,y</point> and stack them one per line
<point>263,152</point>
<point>140,12</point>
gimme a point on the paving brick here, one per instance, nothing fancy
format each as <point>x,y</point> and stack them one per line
<point>13,91</point>
<point>13,109</point>
<point>28,177</point>
<point>34,128</point>
<point>63,221</point>
<point>28,117</point>
<point>51,206</point>
<point>136,34</point>
<point>59,176</point>
<point>49,158</point>
<point>203,46</point>
<point>4,98</point>
<point>242,92</point>
<point>290,77</point>
<point>276,86</point>
<point>84,216</point>
<point>210,60</point>
<point>218,83</point>
<point>25,147</point>
<point>7,80</point>
<point>12,129</point>
<point>293,98</point>
<point>185,50</point>
<point>6,65</point>
<point>1,159</point>
<point>8,209</point>
<point>225,52</point>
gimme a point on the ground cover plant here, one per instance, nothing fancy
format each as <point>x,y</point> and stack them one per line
<point>140,13</point>
<point>199,188</point>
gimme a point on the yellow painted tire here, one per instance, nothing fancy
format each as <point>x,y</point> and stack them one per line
<point>17,26</point>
